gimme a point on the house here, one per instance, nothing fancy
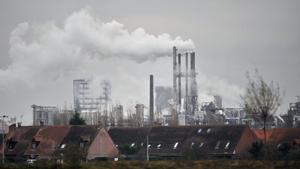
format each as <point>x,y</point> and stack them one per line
<point>17,141</point>
<point>284,135</point>
<point>93,142</point>
<point>51,142</point>
<point>129,140</point>
<point>230,141</point>
<point>184,142</point>
<point>167,142</point>
<point>46,141</point>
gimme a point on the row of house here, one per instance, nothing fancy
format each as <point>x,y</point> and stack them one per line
<point>139,143</point>
<point>52,142</point>
<point>183,142</point>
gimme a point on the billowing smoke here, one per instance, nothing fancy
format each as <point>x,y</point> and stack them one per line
<point>55,52</point>
<point>47,57</point>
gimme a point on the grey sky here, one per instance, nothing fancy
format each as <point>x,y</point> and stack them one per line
<point>230,36</point>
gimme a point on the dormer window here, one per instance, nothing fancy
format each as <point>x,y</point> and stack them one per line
<point>201,144</point>
<point>192,144</point>
<point>158,146</point>
<point>227,145</point>
<point>218,145</point>
<point>34,144</point>
<point>132,145</point>
<point>199,131</point>
<point>62,146</point>
<point>11,144</point>
<point>81,145</point>
<point>175,145</point>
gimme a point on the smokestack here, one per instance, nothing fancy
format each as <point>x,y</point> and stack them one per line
<point>186,81</point>
<point>193,61</point>
<point>179,79</point>
<point>193,85</point>
<point>151,108</point>
<point>175,74</point>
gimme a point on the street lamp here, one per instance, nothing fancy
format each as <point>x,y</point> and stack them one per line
<point>3,132</point>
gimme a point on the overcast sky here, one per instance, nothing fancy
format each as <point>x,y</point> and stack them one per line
<point>44,45</point>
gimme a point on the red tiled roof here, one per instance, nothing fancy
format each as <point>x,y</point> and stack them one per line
<point>49,138</point>
<point>280,135</point>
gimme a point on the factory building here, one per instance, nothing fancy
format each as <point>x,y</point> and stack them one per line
<point>92,107</point>
<point>44,115</point>
<point>185,102</point>
<point>292,117</point>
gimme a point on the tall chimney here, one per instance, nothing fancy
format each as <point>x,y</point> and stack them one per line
<point>186,81</point>
<point>193,85</point>
<point>193,61</point>
<point>175,74</point>
<point>179,79</point>
<point>151,108</point>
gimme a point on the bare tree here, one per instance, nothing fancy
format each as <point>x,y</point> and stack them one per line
<point>261,99</point>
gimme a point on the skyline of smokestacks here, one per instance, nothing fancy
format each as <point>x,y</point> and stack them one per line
<point>191,95</point>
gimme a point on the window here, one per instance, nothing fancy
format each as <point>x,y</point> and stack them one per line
<point>158,146</point>
<point>81,145</point>
<point>227,145</point>
<point>149,146</point>
<point>34,143</point>
<point>33,146</point>
<point>175,145</point>
<point>12,144</point>
<point>132,145</point>
<point>218,145</point>
<point>199,131</point>
<point>201,144</point>
<point>63,146</point>
<point>192,144</point>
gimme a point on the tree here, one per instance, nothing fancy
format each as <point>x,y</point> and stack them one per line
<point>76,120</point>
<point>261,99</point>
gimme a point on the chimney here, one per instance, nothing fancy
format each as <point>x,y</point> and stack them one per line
<point>193,85</point>
<point>151,108</point>
<point>193,61</point>
<point>186,81</point>
<point>179,79</point>
<point>175,74</point>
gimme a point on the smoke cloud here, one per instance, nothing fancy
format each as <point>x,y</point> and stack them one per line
<point>46,57</point>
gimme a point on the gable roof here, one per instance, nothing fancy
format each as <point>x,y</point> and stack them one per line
<point>176,141</point>
<point>48,138</point>
<point>102,146</point>
<point>167,140</point>
<point>23,136</point>
<point>129,140</point>
<point>78,134</point>
<point>214,139</point>
<point>287,135</point>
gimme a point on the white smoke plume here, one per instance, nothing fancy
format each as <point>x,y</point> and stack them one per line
<point>47,57</point>
<point>55,52</point>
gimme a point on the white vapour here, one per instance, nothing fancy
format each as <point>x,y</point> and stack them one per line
<point>55,52</point>
<point>47,57</point>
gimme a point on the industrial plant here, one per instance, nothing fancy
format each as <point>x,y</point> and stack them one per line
<point>175,105</point>
<point>174,125</point>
